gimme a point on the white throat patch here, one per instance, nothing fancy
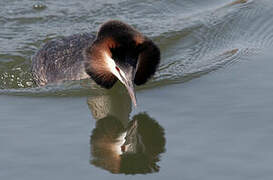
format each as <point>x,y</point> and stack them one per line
<point>112,66</point>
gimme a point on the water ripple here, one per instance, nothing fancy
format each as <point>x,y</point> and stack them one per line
<point>194,38</point>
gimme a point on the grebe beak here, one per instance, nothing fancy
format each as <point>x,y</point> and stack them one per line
<point>127,75</point>
<point>130,88</point>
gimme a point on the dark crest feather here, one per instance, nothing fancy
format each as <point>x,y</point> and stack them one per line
<point>149,60</point>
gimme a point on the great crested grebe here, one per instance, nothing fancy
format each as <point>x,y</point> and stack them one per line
<point>117,52</point>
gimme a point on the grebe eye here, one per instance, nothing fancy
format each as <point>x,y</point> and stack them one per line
<point>117,69</point>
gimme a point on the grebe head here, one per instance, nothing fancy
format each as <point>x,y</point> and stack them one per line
<point>120,52</point>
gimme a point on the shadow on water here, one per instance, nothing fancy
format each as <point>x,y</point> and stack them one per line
<point>120,144</point>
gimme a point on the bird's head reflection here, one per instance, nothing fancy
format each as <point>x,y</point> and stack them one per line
<point>130,150</point>
<point>130,147</point>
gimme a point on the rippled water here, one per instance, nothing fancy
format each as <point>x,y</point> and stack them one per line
<point>209,106</point>
<point>195,38</point>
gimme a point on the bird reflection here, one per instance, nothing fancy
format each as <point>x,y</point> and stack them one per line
<point>121,145</point>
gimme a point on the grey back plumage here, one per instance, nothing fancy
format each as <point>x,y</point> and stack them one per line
<point>61,59</point>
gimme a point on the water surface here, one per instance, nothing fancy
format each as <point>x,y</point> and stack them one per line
<point>207,113</point>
